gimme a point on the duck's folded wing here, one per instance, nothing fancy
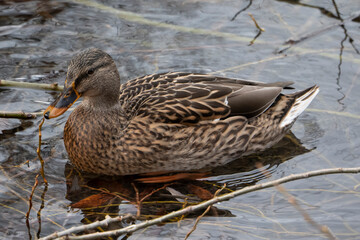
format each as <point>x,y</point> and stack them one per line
<point>190,98</point>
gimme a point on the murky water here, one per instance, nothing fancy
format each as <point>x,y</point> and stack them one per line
<point>37,38</point>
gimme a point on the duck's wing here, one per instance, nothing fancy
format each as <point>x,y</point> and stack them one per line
<point>190,98</point>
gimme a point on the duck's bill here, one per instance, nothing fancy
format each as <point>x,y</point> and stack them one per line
<point>62,103</point>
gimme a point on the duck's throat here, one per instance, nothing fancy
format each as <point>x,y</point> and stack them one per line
<point>101,102</point>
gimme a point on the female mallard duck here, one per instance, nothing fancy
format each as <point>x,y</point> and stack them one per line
<point>168,122</point>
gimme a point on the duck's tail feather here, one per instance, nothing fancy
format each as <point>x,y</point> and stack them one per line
<point>302,101</point>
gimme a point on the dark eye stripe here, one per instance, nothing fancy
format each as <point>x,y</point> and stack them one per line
<point>85,74</point>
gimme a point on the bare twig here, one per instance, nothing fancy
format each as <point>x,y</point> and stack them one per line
<point>203,214</point>
<point>37,183</point>
<point>20,115</point>
<point>23,115</point>
<point>258,27</point>
<point>253,40</point>
<point>38,151</point>
<point>27,216</point>
<point>40,209</point>
<point>42,86</point>
<point>256,24</point>
<point>31,196</point>
<point>138,203</point>
<point>104,223</point>
<point>205,204</point>
<point>183,216</point>
<point>154,191</point>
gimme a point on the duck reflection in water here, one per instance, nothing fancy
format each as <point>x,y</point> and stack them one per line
<point>100,196</point>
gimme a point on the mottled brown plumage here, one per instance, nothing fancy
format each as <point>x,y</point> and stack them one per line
<point>168,122</point>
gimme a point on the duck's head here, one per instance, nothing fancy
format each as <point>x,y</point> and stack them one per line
<point>92,74</point>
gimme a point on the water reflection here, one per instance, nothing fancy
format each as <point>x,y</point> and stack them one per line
<point>101,196</point>
<point>7,129</point>
<point>337,15</point>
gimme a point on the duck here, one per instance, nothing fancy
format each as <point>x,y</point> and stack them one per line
<point>168,122</point>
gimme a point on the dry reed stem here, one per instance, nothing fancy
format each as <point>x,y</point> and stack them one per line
<point>19,114</point>
<point>41,86</point>
<point>256,24</point>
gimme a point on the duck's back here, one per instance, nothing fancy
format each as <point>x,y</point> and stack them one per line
<point>189,98</point>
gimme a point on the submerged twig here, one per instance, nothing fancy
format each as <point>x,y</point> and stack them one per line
<point>138,203</point>
<point>205,204</point>
<point>139,19</point>
<point>253,40</point>
<point>342,114</point>
<point>290,42</point>
<point>236,14</point>
<point>42,86</point>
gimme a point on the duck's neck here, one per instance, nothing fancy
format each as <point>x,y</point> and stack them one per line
<point>101,102</point>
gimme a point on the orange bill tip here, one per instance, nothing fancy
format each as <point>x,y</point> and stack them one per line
<point>53,112</point>
<point>62,103</point>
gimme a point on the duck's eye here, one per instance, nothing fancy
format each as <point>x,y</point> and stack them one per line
<point>90,71</point>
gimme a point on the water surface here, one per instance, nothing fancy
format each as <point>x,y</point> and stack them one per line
<point>38,38</point>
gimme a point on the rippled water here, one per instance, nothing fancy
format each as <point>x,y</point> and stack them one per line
<point>37,38</point>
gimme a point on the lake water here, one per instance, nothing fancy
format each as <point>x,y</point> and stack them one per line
<point>38,38</point>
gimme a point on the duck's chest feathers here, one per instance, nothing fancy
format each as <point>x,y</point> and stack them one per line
<point>92,135</point>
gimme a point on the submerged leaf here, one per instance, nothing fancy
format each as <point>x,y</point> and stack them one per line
<point>200,192</point>
<point>93,201</point>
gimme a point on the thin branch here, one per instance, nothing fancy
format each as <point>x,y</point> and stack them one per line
<point>252,41</point>
<point>138,203</point>
<point>36,183</point>
<point>205,204</point>
<point>42,86</point>
<point>40,209</point>
<point>24,115</point>
<point>38,151</point>
<point>256,24</point>
<point>30,205</point>
<point>154,191</point>
<point>203,214</point>
<point>20,114</point>
<point>104,223</point>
